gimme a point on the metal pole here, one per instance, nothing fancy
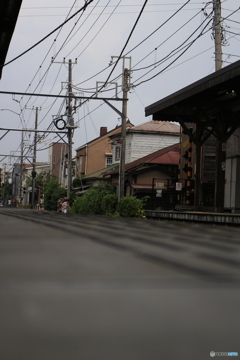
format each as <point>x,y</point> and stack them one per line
<point>123,135</point>
<point>21,173</point>
<point>34,160</point>
<point>69,126</point>
<point>221,144</point>
<point>217,34</point>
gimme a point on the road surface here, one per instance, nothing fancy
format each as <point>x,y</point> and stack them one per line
<point>97,288</point>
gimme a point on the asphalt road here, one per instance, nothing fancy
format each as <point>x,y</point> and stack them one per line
<point>98,288</point>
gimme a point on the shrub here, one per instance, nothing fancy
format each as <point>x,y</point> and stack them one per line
<point>130,206</point>
<point>91,201</point>
<point>87,204</point>
<point>52,192</point>
<point>109,204</point>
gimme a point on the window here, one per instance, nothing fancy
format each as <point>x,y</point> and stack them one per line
<point>80,164</point>
<point>108,160</point>
<point>117,153</point>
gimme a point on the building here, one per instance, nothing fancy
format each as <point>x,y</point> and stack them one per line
<point>212,104</point>
<point>96,154</point>
<point>145,139</point>
<point>154,175</point>
<point>40,168</point>
<point>57,155</point>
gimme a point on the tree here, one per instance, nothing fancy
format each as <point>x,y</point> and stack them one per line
<point>52,191</point>
<point>7,189</point>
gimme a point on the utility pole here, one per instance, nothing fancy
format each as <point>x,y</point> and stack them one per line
<point>21,172</point>
<point>70,124</point>
<point>125,87</point>
<point>217,28</point>
<point>34,160</point>
<point>70,127</point>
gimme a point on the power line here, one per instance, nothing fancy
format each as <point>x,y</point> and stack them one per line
<point>186,48</point>
<point>175,32</point>
<point>98,31</point>
<point>77,31</point>
<point>47,71</point>
<point>157,63</point>
<point>52,32</point>
<point>138,43</point>
<point>124,47</point>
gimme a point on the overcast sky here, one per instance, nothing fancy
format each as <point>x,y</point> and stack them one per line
<point>179,52</point>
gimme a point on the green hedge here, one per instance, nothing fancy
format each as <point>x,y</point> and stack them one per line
<point>97,200</point>
<point>130,206</point>
<point>102,200</point>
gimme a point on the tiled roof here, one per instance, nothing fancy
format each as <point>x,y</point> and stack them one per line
<point>162,127</point>
<point>159,126</point>
<point>109,133</point>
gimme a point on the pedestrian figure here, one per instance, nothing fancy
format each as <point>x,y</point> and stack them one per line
<point>65,206</point>
<point>9,202</point>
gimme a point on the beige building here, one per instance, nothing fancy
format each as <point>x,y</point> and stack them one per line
<point>96,154</point>
<point>145,139</point>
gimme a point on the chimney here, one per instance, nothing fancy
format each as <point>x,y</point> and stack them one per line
<point>103,130</point>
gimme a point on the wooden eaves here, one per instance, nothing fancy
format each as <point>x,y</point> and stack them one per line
<point>213,104</point>
<point>9,10</point>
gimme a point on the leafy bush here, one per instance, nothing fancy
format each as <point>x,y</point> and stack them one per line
<point>109,204</point>
<point>52,192</point>
<point>87,204</point>
<point>102,200</point>
<point>130,206</point>
<point>91,201</point>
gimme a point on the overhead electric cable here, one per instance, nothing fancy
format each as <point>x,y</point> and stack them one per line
<point>188,46</point>
<point>138,43</point>
<point>98,30</point>
<point>157,63</point>
<point>159,27</point>
<point>52,32</point>
<point>124,47</point>
<point>163,42</point>
<point>128,39</point>
<point>46,72</point>
<point>82,26</point>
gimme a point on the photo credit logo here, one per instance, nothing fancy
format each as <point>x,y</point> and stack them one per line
<point>221,353</point>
